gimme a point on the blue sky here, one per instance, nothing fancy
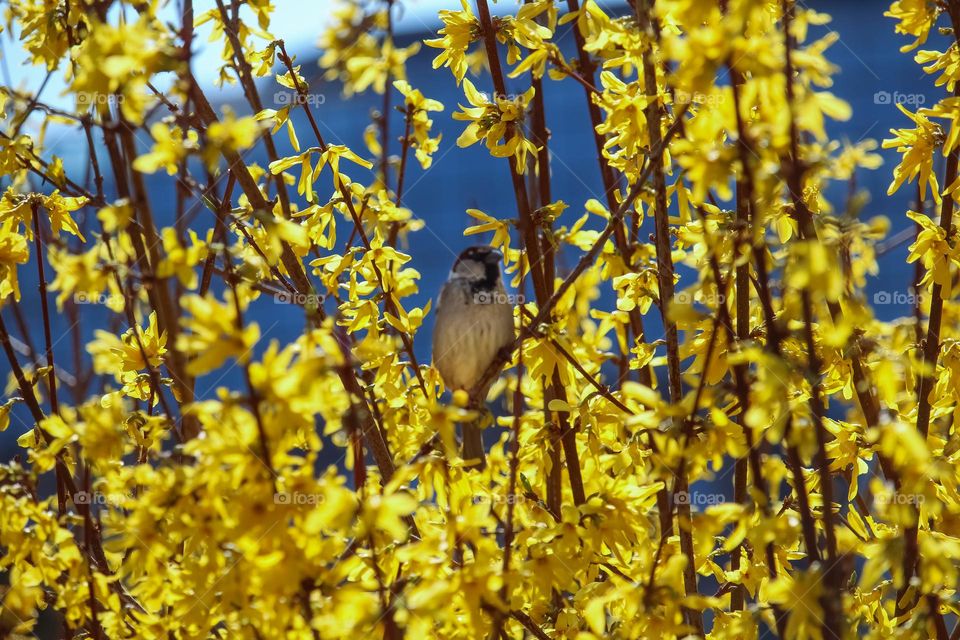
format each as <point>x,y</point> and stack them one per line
<point>289,23</point>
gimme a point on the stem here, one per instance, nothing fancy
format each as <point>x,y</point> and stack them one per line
<point>249,85</point>
<point>389,302</point>
<point>933,602</point>
<point>402,173</point>
<point>385,114</point>
<point>62,472</point>
<point>566,432</point>
<point>540,261</point>
<point>404,153</point>
<point>753,454</point>
<point>589,258</point>
<point>610,185</point>
<point>833,598</point>
<point>744,200</point>
<point>528,229</point>
<point>529,625</point>
<point>251,390</point>
<point>45,309</point>
<point>930,350</point>
<point>249,186</point>
<point>665,275</point>
<point>88,535</point>
<point>745,207</point>
<point>508,532</point>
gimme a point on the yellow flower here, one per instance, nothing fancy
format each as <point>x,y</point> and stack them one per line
<point>126,357</point>
<point>498,123</point>
<point>916,18</point>
<point>460,30</point>
<point>229,135</point>
<point>179,260</point>
<point>114,63</point>
<point>418,107</point>
<point>211,336</point>
<point>80,275</point>
<point>917,147</point>
<point>367,71</point>
<point>13,252</point>
<point>170,148</point>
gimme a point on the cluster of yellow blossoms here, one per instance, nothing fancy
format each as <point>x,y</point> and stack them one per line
<point>775,461</point>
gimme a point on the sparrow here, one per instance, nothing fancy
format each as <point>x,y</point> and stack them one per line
<point>474,322</point>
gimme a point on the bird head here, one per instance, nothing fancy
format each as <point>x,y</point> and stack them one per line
<point>479,263</point>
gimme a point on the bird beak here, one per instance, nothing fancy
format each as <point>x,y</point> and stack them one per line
<point>495,257</point>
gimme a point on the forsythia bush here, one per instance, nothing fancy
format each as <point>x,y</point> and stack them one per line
<point>141,508</point>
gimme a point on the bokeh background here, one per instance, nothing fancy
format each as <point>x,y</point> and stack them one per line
<point>873,75</point>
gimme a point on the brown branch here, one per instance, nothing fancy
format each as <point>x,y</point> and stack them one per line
<point>390,303</point>
<point>45,308</point>
<point>528,229</point>
<point>508,533</point>
<point>587,260</point>
<point>249,186</point>
<point>610,185</point>
<point>402,172</point>
<point>744,203</point>
<point>930,350</point>
<point>529,625</point>
<point>248,83</point>
<point>540,263</point>
<point>833,623</point>
<point>665,274</point>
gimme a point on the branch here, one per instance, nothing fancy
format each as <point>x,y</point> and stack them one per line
<point>586,260</point>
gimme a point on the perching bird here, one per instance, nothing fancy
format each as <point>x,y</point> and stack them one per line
<point>474,322</point>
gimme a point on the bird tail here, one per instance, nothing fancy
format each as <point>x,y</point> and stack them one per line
<point>473,451</point>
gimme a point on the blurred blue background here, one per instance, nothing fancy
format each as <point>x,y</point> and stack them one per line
<point>873,74</point>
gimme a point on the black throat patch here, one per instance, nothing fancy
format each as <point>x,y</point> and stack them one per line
<point>486,284</point>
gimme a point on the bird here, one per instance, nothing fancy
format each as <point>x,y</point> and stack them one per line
<point>474,323</point>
